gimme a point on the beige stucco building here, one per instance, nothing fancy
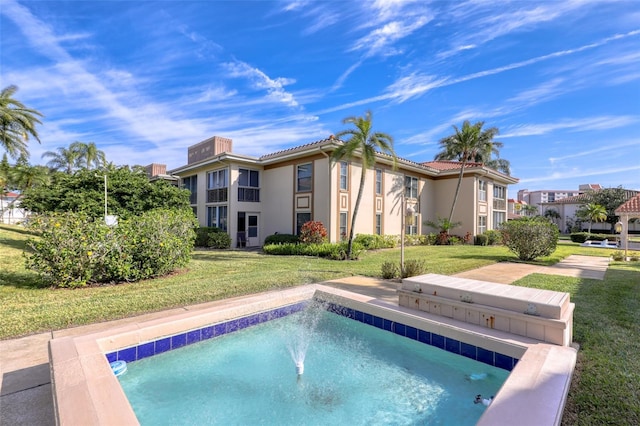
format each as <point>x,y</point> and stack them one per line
<point>253,197</point>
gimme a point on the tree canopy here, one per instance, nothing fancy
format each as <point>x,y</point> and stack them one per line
<point>17,123</point>
<point>366,143</point>
<point>129,193</point>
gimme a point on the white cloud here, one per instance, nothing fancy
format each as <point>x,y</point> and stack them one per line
<point>575,125</point>
<point>261,81</point>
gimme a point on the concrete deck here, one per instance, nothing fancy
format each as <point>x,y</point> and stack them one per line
<point>25,383</point>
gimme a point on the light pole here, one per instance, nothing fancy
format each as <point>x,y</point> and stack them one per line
<point>105,197</point>
<point>619,228</point>
<point>405,211</point>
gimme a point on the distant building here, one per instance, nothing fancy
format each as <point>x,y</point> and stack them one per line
<point>10,210</point>
<point>253,197</point>
<point>156,171</point>
<point>536,198</point>
<point>568,207</point>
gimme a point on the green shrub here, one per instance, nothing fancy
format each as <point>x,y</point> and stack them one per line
<point>219,239</point>
<point>530,238</point>
<point>494,237</point>
<point>481,240</point>
<point>374,241</point>
<point>74,250</point>
<point>281,239</point>
<point>413,267</point>
<point>313,232</point>
<point>390,270</point>
<point>212,237</point>
<point>579,237</point>
<point>617,255</point>
<point>335,251</point>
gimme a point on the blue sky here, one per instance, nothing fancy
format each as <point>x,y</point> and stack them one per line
<point>144,80</point>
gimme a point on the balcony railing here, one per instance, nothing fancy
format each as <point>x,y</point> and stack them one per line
<point>499,204</point>
<point>249,194</point>
<point>217,195</point>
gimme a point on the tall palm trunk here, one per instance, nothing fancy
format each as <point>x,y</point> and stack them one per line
<point>355,212</point>
<point>455,197</point>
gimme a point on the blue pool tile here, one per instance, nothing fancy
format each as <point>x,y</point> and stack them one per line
<point>412,333</point>
<point>359,316</point>
<point>163,345</point>
<point>350,313</point>
<point>112,356</point>
<point>243,323</point>
<point>424,337</point>
<point>437,340</point>
<point>378,322</point>
<point>470,351</point>
<point>233,325</point>
<point>253,319</point>
<point>400,329</point>
<point>503,361</point>
<point>264,317</point>
<point>452,345</point>
<point>193,336</point>
<point>387,324</point>
<point>127,354</point>
<point>146,350</point>
<point>368,319</point>
<point>207,333</point>
<point>486,356</point>
<point>220,329</point>
<point>178,341</point>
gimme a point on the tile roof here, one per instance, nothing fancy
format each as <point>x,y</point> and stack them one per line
<point>449,165</point>
<point>300,147</point>
<point>631,206</point>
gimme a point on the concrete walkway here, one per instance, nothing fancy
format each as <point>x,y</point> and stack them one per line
<point>25,383</point>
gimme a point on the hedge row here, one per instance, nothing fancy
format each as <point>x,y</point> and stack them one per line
<point>74,250</point>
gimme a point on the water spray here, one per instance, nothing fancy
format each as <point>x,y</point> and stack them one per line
<point>299,368</point>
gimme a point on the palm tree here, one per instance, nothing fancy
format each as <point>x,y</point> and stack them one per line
<point>89,154</point>
<point>17,122</point>
<point>470,143</point>
<point>593,213</point>
<point>366,144</point>
<point>64,159</point>
<point>25,176</point>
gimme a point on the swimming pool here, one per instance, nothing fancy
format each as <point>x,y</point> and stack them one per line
<point>87,392</point>
<point>353,373</point>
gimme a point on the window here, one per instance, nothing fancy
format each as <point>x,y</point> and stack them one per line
<point>304,177</point>
<point>344,175</point>
<point>217,186</point>
<point>217,216</point>
<point>411,225</point>
<point>248,185</point>
<point>191,183</point>
<point>482,190</point>
<point>378,182</point>
<point>499,197</point>
<point>252,229</point>
<point>482,224</point>
<point>343,225</point>
<point>301,219</point>
<point>410,187</point>
<point>378,224</point>
<point>195,211</point>
<point>498,218</point>
<point>551,197</point>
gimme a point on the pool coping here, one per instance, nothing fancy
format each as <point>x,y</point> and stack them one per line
<point>81,376</point>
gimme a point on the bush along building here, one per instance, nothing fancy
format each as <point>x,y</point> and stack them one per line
<point>254,197</point>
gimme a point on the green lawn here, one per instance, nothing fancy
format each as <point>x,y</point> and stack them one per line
<point>605,389</point>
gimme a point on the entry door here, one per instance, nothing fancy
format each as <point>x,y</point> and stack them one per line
<point>253,236</point>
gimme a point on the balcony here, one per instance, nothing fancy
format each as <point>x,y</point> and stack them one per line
<point>499,204</point>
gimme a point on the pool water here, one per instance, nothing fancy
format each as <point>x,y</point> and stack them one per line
<point>353,373</point>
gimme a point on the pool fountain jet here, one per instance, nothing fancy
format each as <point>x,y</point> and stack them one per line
<point>300,337</point>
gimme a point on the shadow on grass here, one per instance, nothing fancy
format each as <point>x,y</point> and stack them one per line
<point>23,280</point>
<point>17,230</point>
<point>14,244</point>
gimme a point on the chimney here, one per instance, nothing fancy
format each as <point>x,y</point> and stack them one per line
<point>155,169</point>
<point>208,148</point>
